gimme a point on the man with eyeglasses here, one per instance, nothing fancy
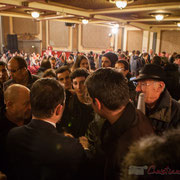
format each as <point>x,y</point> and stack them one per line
<point>19,73</point>
<point>161,109</point>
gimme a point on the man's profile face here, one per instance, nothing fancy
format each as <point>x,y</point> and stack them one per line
<point>15,71</point>
<point>151,89</point>
<point>65,79</point>
<point>3,74</point>
<point>106,62</point>
<point>79,86</point>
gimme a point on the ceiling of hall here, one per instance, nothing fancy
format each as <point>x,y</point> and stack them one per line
<point>98,11</point>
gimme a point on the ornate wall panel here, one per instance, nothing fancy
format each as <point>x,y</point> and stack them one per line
<point>28,26</point>
<point>95,37</point>
<point>5,28</point>
<point>134,40</point>
<point>58,34</point>
<point>170,41</point>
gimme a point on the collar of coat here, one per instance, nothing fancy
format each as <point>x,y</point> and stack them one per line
<point>162,110</point>
<point>128,119</point>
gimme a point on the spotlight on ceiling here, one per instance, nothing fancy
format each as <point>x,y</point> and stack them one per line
<point>35,14</point>
<point>121,3</point>
<point>160,16</point>
<point>85,21</point>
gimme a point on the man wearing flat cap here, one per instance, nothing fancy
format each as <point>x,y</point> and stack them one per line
<point>161,109</point>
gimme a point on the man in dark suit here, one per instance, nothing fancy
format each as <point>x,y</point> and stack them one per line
<point>37,151</point>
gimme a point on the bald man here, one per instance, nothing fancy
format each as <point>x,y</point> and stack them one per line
<point>18,109</point>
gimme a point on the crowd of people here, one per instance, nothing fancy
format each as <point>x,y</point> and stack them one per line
<point>77,117</point>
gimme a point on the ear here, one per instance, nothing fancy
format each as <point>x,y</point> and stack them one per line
<point>8,104</point>
<point>98,104</point>
<point>161,86</point>
<point>59,109</point>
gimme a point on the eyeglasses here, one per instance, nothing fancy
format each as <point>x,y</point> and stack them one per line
<point>144,85</point>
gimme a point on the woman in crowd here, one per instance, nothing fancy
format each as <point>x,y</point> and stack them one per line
<point>81,62</point>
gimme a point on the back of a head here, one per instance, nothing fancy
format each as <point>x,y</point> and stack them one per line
<point>45,64</point>
<point>157,60</point>
<point>109,86</point>
<point>46,94</point>
<point>13,92</point>
<point>153,153</point>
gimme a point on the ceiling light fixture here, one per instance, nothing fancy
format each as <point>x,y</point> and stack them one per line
<point>178,24</point>
<point>160,16</point>
<point>114,30</point>
<point>121,3</point>
<point>35,14</point>
<point>85,21</point>
<point>116,25</point>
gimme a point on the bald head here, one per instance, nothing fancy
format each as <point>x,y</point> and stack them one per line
<point>17,100</point>
<point>14,91</point>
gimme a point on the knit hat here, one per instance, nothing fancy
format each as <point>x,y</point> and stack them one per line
<point>151,71</point>
<point>112,57</point>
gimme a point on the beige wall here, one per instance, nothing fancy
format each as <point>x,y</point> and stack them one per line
<point>5,28</point>
<point>84,37</point>
<point>75,38</point>
<point>170,41</point>
<point>94,37</point>
<point>22,26</point>
<point>119,45</point>
<point>59,35</point>
<point>134,40</point>
<point>44,35</point>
